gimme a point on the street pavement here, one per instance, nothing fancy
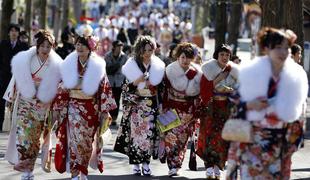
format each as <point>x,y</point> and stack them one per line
<point>116,165</point>
<point>117,168</point>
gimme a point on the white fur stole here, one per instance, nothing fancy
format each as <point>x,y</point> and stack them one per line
<point>93,76</point>
<point>179,80</point>
<point>291,92</point>
<point>132,72</point>
<point>22,72</point>
<point>211,69</point>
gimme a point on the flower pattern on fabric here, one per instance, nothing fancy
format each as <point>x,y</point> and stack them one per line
<point>30,123</point>
<point>81,117</point>
<point>137,135</point>
<point>269,157</point>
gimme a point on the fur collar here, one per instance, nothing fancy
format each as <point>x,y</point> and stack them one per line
<point>291,93</point>
<point>211,69</point>
<point>94,73</point>
<point>179,81</point>
<point>21,70</point>
<point>132,72</point>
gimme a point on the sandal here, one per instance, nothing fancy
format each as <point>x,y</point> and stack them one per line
<point>146,172</point>
<point>136,172</point>
<point>173,172</point>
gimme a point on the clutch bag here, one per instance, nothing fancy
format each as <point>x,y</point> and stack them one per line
<point>168,120</point>
<point>238,130</point>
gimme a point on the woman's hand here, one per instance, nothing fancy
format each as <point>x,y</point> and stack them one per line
<point>257,104</point>
<point>137,81</point>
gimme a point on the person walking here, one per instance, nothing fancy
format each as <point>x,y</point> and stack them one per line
<point>217,83</point>
<point>181,92</point>
<point>8,49</point>
<point>83,106</point>
<point>273,89</point>
<point>33,86</point>
<point>137,136</point>
<point>115,59</point>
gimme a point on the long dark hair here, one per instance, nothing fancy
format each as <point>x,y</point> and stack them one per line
<point>140,44</point>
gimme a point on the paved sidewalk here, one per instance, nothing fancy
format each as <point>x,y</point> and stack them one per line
<point>117,168</point>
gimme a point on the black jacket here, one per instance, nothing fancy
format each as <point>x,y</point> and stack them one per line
<point>6,55</point>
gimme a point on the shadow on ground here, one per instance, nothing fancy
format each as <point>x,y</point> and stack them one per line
<point>132,177</point>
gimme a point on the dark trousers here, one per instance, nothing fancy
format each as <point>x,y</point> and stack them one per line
<point>2,112</point>
<point>117,91</point>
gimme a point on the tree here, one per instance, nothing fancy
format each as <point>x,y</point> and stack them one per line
<point>65,14</point>
<point>42,17</point>
<point>221,22</point>
<point>7,11</point>
<point>28,18</point>
<point>293,18</point>
<point>77,9</point>
<point>57,18</point>
<point>271,12</point>
<point>234,24</point>
<point>291,13</point>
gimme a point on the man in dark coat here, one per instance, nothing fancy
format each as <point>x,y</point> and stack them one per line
<point>8,49</point>
<point>115,59</point>
<point>67,45</point>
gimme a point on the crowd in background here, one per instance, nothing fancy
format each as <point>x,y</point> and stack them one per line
<point>143,54</point>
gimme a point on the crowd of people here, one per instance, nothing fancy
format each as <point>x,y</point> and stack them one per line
<point>167,91</point>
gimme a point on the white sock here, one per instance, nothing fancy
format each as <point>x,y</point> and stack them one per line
<point>75,178</point>
<point>217,170</point>
<point>28,174</point>
<point>83,176</point>
<point>210,171</point>
<point>145,166</point>
<point>136,166</point>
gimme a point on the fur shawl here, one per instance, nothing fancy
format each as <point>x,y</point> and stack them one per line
<point>93,76</point>
<point>22,72</point>
<point>180,82</point>
<point>291,93</point>
<point>211,69</point>
<point>132,72</point>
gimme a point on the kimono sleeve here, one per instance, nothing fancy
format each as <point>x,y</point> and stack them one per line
<point>61,100</point>
<point>206,90</point>
<point>10,92</point>
<point>107,102</point>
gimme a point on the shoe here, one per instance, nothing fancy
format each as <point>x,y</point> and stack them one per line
<point>209,173</point>
<point>173,172</point>
<point>136,171</point>
<point>146,172</point>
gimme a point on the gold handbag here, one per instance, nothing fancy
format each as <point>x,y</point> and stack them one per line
<point>238,130</point>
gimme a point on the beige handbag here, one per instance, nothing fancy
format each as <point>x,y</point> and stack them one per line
<point>238,130</point>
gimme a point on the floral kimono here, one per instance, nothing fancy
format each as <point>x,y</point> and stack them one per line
<point>277,133</point>
<point>137,136</point>
<point>82,105</point>
<point>181,93</point>
<point>32,87</point>
<point>214,113</point>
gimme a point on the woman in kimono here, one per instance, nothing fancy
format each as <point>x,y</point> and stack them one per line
<point>218,81</point>
<point>181,92</point>
<point>83,104</point>
<point>273,89</point>
<point>138,137</point>
<point>33,86</point>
